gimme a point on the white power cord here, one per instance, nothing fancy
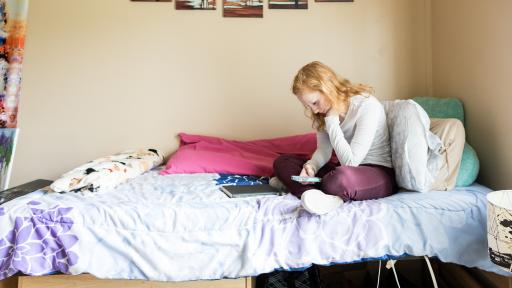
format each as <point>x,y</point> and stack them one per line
<point>391,264</point>
<point>378,275</point>
<point>434,281</point>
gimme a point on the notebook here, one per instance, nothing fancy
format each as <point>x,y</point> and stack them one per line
<point>239,191</point>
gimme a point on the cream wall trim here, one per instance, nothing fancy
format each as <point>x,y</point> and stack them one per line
<point>472,41</point>
<point>102,76</point>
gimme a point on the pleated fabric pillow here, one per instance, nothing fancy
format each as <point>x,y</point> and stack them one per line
<point>415,151</point>
<point>453,108</point>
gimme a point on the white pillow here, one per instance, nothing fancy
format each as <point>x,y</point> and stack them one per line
<point>415,151</point>
<point>107,172</point>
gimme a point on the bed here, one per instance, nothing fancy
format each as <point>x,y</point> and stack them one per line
<point>181,227</point>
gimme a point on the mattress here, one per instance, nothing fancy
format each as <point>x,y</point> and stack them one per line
<point>181,227</point>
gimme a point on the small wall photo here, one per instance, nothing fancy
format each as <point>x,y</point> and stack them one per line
<point>334,0</point>
<point>288,4</point>
<point>196,4</point>
<point>243,8</point>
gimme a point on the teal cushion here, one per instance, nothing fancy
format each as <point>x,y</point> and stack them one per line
<point>442,107</point>
<point>453,108</point>
<point>469,167</point>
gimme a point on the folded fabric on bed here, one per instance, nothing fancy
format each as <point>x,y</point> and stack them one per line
<point>107,172</point>
<point>415,150</point>
<point>183,223</point>
<point>205,154</point>
<point>453,108</point>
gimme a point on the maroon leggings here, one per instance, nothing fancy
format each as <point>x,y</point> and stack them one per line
<point>367,181</point>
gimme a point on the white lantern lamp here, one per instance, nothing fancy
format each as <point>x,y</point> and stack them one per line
<point>499,228</point>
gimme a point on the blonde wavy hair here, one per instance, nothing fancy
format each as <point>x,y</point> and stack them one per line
<point>317,76</point>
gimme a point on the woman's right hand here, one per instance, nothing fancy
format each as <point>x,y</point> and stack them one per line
<point>307,171</point>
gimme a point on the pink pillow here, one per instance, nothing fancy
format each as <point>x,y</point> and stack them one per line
<point>204,154</point>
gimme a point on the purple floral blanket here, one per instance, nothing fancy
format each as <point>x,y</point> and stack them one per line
<point>181,227</point>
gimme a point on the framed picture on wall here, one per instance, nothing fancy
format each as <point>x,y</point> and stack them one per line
<point>334,0</point>
<point>243,8</point>
<point>288,4</point>
<point>151,0</point>
<point>8,139</point>
<point>195,4</point>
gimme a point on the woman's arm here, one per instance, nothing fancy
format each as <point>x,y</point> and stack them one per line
<point>322,153</point>
<point>366,126</point>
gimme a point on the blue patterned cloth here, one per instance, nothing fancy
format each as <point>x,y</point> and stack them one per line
<point>233,179</point>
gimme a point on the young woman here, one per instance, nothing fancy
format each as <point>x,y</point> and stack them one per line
<point>350,121</point>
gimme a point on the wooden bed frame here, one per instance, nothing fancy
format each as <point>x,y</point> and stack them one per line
<point>89,281</point>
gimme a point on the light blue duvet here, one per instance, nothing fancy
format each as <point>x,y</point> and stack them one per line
<point>181,227</point>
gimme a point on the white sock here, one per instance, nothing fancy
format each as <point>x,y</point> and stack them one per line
<point>317,202</point>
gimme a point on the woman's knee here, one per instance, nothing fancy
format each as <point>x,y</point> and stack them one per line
<point>279,161</point>
<point>338,182</point>
<point>286,161</point>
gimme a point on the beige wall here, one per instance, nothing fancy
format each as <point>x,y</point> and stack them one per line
<point>472,60</point>
<point>102,76</point>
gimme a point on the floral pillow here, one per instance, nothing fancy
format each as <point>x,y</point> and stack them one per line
<point>107,172</point>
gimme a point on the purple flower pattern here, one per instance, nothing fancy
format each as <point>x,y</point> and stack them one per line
<point>38,244</point>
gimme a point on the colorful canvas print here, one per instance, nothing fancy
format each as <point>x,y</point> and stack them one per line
<point>243,8</point>
<point>288,4</point>
<point>195,4</point>
<point>13,14</point>
<point>7,148</point>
